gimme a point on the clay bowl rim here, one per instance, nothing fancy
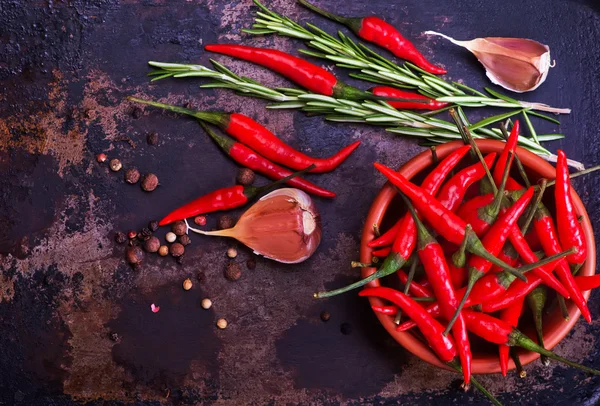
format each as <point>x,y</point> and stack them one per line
<point>556,329</point>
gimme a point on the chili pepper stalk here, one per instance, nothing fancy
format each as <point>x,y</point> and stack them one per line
<point>408,283</point>
<point>510,315</point>
<point>517,360</point>
<point>537,301</point>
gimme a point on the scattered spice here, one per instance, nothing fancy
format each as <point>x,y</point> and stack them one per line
<point>187,284</point>
<point>170,237</point>
<point>132,176</point>
<point>101,158</point>
<point>152,138</point>
<point>127,140</point>
<point>132,234</point>
<point>153,225</point>
<point>154,308</point>
<point>225,221</point>
<point>144,234</point>
<point>245,176</point>
<point>152,244</point>
<point>346,329</point>
<point>222,323</point>
<point>114,336</point>
<point>134,255</point>
<point>251,263</point>
<point>233,271</point>
<point>179,227</point>
<point>163,251</point>
<point>232,252</point>
<point>120,237</point>
<point>149,182</point>
<point>136,112</point>
<point>115,165</point>
<point>200,220</point>
<point>176,249</point>
<point>201,276</point>
<point>180,259</point>
<point>325,316</point>
<point>185,240</point>
<point>206,303</point>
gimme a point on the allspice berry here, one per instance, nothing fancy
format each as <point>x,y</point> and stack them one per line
<point>185,240</point>
<point>226,221</point>
<point>115,165</point>
<point>152,138</point>
<point>233,271</point>
<point>101,158</point>
<point>163,251</point>
<point>152,244</point>
<point>245,176</point>
<point>222,323</point>
<point>176,249</point>
<point>132,176</point>
<point>179,227</point>
<point>170,237</point>
<point>187,284</point>
<point>134,255</point>
<point>120,237</point>
<point>149,182</point>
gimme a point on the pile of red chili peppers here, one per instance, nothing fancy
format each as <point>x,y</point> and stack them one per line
<point>483,256</point>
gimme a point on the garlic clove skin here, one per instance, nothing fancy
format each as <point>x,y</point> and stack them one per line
<point>517,64</point>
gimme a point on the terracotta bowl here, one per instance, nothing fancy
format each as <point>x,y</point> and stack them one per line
<point>555,327</point>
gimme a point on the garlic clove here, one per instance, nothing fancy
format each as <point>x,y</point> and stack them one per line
<point>516,64</point>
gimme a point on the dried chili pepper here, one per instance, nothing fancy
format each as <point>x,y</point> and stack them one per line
<point>260,139</point>
<point>247,157</point>
<point>510,316</point>
<point>223,199</point>
<point>588,282</point>
<point>536,301</point>
<point>438,274</point>
<point>430,184</point>
<point>377,31</point>
<point>570,233</point>
<point>498,332</point>
<point>431,328</point>
<point>392,92</point>
<point>304,73</point>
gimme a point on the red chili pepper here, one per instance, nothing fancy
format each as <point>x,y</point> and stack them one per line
<point>387,310</point>
<point>510,316</point>
<point>468,212</point>
<point>304,73</point>
<point>511,146</point>
<point>223,199</point>
<point>498,332</point>
<point>248,158</point>
<point>431,184</point>
<point>570,232</point>
<point>382,252</point>
<point>533,240</point>
<point>437,271</point>
<point>588,282</point>
<point>432,330</point>
<point>415,288</point>
<point>260,139</point>
<point>377,31</point>
<point>544,226</point>
<point>516,291</point>
<point>392,92</point>
<point>458,275</point>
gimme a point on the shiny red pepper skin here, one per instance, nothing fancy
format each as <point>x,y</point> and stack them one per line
<point>588,282</point>
<point>517,289</point>
<point>570,233</point>
<point>430,184</point>
<point>379,32</point>
<point>511,145</point>
<point>487,327</point>
<point>510,316</point>
<point>392,92</point>
<point>544,226</point>
<point>220,199</point>
<point>458,275</point>
<point>432,330</point>
<point>382,252</point>
<point>415,288</point>
<point>468,211</point>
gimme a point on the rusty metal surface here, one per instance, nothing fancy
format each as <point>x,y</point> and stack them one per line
<point>65,68</point>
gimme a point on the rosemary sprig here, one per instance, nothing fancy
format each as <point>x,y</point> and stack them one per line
<point>377,69</point>
<point>431,129</point>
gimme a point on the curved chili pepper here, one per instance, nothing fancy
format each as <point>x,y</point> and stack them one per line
<point>570,233</point>
<point>223,199</point>
<point>438,274</point>
<point>537,300</point>
<point>387,310</point>
<point>511,146</point>
<point>468,212</point>
<point>458,275</point>
<point>304,73</point>
<point>392,92</point>
<point>510,316</point>
<point>588,282</point>
<point>260,139</point>
<point>415,288</point>
<point>498,332</point>
<point>382,252</point>
<point>377,31</point>
<point>250,159</point>
<point>516,290</point>
<point>432,330</point>
<point>431,184</point>
<point>544,226</point>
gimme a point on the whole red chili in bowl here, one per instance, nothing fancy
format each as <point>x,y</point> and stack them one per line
<point>484,360</point>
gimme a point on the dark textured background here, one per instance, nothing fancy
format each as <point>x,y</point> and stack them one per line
<point>65,68</point>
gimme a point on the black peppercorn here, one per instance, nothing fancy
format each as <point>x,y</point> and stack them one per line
<point>132,175</point>
<point>180,259</point>
<point>152,138</point>
<point>325,316</point>
<point>114,337</point>
<point>184,239</point>
<point>120,237</point>
<point>144,234</point>
<point>153,225</point>
<point>226,221</point>
<point>251,263</point>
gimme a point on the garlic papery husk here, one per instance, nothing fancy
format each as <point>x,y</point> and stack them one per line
<point>516,64</point>
<point>283,225</point>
